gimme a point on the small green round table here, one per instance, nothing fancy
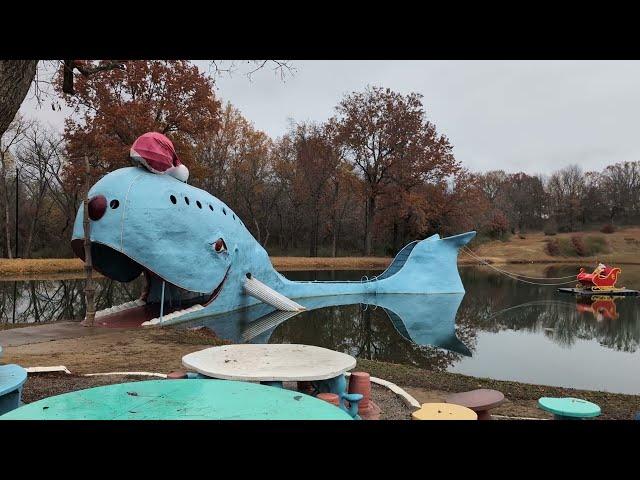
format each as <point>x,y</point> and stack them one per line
<point>180,400</point>
<point>569,408</point>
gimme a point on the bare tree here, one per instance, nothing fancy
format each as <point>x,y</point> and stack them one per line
<point>39,154</point>
<point>13,135</point>
<point>282,68</point>
<point>565,189</point>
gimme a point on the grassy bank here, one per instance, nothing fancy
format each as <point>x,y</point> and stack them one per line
<point>621,247</point>
<point>59,268</point>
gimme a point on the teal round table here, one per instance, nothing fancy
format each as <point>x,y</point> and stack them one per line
<point>569,408</point>
<point>180,400</point>
<point>12,378</point>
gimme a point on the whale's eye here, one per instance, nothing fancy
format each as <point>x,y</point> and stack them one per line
<point>219,246</point>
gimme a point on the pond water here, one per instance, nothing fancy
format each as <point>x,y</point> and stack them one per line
<point>499,329</point>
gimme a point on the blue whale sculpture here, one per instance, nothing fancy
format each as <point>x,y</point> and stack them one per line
<point>194,250</point>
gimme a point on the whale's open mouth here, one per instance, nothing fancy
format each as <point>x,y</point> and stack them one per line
<point>118,266</point>
<point>218,289</point>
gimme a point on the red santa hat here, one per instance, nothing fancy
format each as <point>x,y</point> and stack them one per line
<point>156,153</point>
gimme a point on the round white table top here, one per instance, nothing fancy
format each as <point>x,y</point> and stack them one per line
<point>264,363</point>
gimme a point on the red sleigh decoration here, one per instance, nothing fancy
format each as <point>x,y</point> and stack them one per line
<point>602,278</point>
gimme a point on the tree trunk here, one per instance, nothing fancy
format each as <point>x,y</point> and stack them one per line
<point>88,265</point>
<point>15,79</point>
<point>7,217</point>
<point>370,215</point>
<point>334,242</point>
<point>32,229</point>
<point>395,237</point>
<point>313,246</point>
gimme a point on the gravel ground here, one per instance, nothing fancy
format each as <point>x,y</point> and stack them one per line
<point>391,405</point>
<point>43,385</point>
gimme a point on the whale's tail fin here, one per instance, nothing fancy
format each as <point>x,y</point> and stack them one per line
<point>427,266</point>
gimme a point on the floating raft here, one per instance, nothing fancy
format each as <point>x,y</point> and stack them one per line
<point>622,292</point>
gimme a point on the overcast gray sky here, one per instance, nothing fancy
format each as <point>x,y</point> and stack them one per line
<point>532,116</point>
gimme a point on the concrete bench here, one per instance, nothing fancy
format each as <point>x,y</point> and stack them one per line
<point>443,411</point>
<point>569,408</point>
<point>480,401</point>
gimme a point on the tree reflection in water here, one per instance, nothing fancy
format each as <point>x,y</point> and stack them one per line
<point>57,300</point>
<point>365,331</point>
<point>494,303</point>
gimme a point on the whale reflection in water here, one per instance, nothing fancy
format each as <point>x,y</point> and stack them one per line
<point>421,319</point>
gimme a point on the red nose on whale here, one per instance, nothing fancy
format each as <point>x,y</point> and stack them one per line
<point>97,207</point>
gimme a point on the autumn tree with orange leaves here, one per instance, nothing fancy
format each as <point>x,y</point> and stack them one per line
<point>113,107</point>
<point>391,144</point>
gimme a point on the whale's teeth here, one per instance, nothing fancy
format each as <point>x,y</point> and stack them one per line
<point>172,315</point>
<point>119,308</point>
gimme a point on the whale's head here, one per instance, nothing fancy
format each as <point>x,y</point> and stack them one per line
<point>156,224</point>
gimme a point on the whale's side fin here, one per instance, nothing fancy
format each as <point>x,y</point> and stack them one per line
<point>430,267</point>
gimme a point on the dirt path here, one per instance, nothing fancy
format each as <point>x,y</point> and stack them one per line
<point>112,350</point>
<point>12,337</point>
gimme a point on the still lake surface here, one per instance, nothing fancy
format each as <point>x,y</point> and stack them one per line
<point>499,329</point>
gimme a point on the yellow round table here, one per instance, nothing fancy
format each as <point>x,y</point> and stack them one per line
<point>444,411</point>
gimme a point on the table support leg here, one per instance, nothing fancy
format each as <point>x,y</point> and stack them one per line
<point>562,417</point>
<point>273,384</point>
<point>484,415</point>
<point>338,385</point>
<point>10,401</point>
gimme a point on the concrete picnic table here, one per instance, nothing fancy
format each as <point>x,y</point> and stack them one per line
<point>180,400</point>
<point>269,363</point>
<point>272,364</point>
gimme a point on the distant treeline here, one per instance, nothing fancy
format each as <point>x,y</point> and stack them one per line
<point>372,177</point>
